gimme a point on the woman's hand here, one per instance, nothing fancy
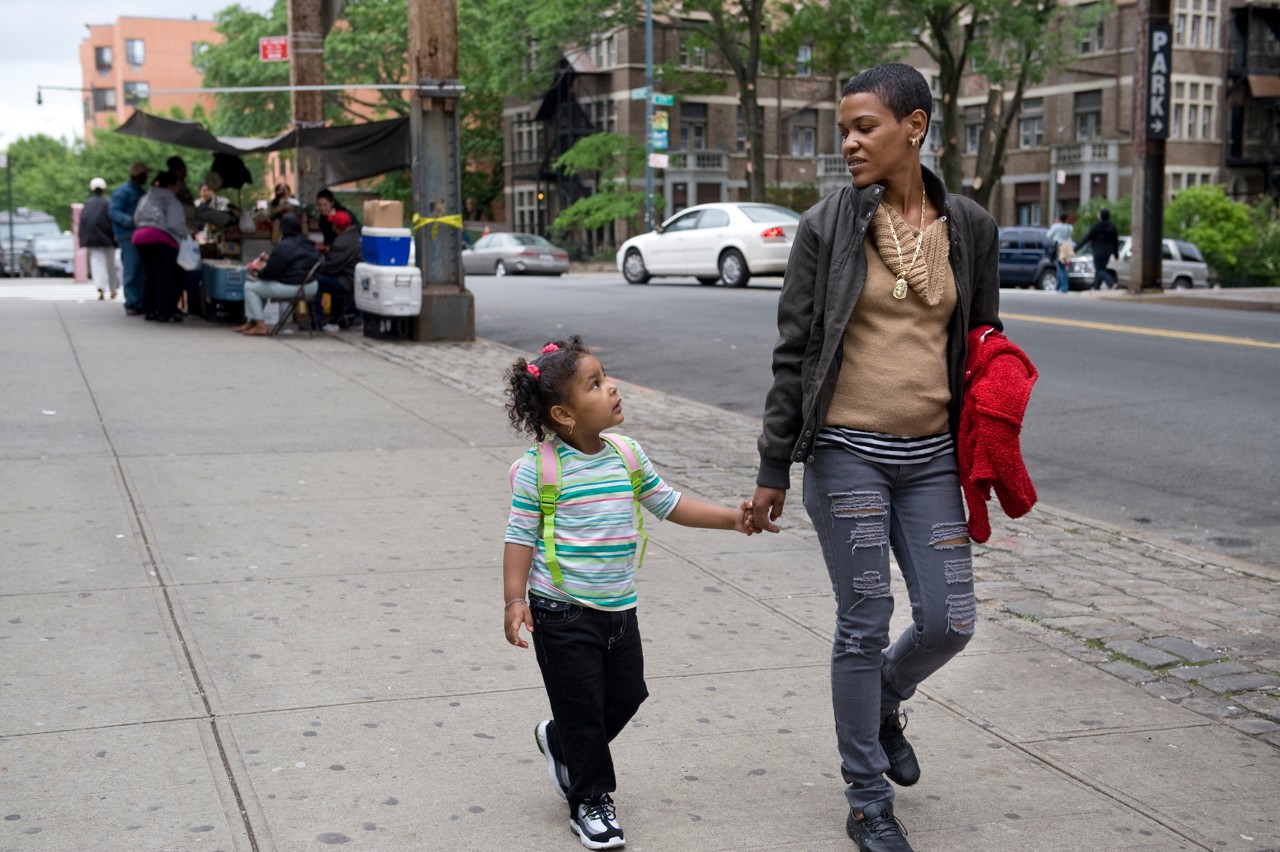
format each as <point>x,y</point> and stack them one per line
<point>767,508</point>
<point>517,614</point>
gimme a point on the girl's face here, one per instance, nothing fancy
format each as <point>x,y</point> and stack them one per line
<point>875,145</point>
<point>593,402</point>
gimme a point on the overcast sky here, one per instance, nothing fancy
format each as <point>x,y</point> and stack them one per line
<point>40,46</point>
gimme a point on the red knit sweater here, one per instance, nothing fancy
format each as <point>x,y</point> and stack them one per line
<point>998,380</point>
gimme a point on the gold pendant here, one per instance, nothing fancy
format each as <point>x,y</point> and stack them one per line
<point>900,288</point>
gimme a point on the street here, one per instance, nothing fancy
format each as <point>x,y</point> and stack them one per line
<point>1151,417</point>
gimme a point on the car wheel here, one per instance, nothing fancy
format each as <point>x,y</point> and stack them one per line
<point>500,269</point>
<point>1182,282</point>
<point>1049,280</point>
<point>633,268</point>
<point>708,282</point>
<point>733,269</point>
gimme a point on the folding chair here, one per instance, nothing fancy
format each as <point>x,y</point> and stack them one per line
<point>287,306</point>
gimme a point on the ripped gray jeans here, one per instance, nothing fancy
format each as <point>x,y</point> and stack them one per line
<point>860,509</point>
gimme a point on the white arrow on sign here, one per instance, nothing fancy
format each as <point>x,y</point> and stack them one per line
<point>1157,126</point>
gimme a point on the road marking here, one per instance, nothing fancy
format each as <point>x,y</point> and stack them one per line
<point>1150,332</point>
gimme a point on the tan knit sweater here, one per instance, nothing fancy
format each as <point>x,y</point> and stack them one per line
<point>894,375</point>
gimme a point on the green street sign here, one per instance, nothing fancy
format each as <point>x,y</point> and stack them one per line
<point>663,100</point>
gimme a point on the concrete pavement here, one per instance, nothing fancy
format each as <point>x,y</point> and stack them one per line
<point>251,600</point>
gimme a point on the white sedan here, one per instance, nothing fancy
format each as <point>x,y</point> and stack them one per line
<point>713,242</point>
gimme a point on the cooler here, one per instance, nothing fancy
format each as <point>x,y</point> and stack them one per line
<point>223,280</point>
<point>389,291</point>
<point>386,246</point>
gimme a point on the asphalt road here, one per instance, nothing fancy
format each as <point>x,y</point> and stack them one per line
<point>1159,418</point>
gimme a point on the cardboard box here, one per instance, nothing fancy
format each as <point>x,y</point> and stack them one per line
<point>384,214</point>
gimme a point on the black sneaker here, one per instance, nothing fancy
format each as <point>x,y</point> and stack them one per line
<point>558,772</point>
<point>904,769</point>
<point>878,830</point>
<point>596,824</point>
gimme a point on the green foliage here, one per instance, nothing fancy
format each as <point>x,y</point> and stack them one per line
<point>235,62</point>
<point>370,45</point>
<point>615,160</point>
<point>1087,214</point>
<point>1221,227</point>
<point>798,198</point>
<point>1260,262</point>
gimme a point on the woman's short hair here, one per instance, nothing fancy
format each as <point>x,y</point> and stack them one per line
<point>900,87</point>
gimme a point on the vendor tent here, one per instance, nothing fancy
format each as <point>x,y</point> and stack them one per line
<point>350,152</point>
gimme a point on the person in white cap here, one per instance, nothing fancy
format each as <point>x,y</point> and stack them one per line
<point>96,236</point>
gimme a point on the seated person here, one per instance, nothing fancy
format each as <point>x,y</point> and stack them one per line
<point>286,267</point>
<point>327,205</point>
<point>337,275</point>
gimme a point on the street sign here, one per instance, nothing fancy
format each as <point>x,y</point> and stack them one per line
<point>1159,58</point>
<point>640,93</point>
<point>658,140</point>
<point>273,49</point>
<point>659,161</point>
<point>663,100</point>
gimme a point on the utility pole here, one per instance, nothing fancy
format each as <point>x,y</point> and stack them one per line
<point>448,308</point>
<point>648,115</point>
<point>1154,60</point>
<point>306,68</point>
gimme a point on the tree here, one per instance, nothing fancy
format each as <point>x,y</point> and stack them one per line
<point>1121,215</point>
<point>615,160</point>
<point>1221,227</point>
<point>235,63</point>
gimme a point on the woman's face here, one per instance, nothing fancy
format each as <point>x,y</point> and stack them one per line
<point>874,143</point>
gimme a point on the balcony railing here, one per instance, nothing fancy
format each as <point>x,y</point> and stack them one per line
<point>831,166</point>
<point>699,161</point>
<point>1085,152</point>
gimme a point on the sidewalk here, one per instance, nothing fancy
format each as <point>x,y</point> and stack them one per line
<point>252,601</point>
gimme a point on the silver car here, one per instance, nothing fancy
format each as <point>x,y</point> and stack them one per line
<point>512,254</point>
<point>52,254</point>
<point>1182,266</point>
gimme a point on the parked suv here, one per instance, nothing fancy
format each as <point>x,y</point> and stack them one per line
<point>26,224</point>
<point>1182,265</point>
<point>1026,261</point>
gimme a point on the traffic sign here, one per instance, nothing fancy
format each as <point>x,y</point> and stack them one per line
<point>663,100</point>
<point>659,161</point>
<point>1159,58</point>
<point>640,93</point>
<point>273,49</point>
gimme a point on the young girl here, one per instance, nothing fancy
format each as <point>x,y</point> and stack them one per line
<point>580,609</point>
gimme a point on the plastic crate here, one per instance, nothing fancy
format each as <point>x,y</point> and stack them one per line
<point>386,246</point>
<point>386,328</point>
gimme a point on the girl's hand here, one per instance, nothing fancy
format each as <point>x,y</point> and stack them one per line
<point>516,615</point>
<point>743,521</point>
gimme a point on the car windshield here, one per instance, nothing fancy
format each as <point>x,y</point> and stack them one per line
<point>529,240</point>
<point>769,213</point>
<point>60,242</point>
<point>1189,251</point>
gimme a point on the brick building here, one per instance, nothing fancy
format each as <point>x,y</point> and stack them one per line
<point>122,64</point>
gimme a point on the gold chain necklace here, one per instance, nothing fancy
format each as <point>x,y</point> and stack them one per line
<point>900,284</point>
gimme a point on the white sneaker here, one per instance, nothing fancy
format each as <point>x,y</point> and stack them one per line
<point>330,328</point>
<point>557,771</point>
<point>596,824</point>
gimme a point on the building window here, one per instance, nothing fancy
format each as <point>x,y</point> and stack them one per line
<point>742,127</point>
<point>804,133</point>
<point>1091,38</point>
<point>135,51</point>
<point>1196,23</point>
<point>135,93</point>
<point>610,51</point>
<point>693,127</point>
<point>1193,105</point>
<point>1029,213</point>
<point>804,61</point>
<point>1031,124</point>
<point>102,58</point>
<point>972,133</point>
<point>1089,116</point>
<point>104,100</point>
<point>692,55</point>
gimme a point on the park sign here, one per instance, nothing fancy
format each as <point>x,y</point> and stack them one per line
<point>273,49</point>
<point>1159,59</point>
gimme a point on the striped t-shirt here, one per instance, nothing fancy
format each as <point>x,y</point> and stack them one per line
<point>885,449</point>
<point>596,538</point>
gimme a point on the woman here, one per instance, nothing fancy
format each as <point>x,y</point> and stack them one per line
<point>885,279</point>
<point>161,224</point>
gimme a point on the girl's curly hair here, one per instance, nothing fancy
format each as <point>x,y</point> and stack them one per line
<point>533,387</point>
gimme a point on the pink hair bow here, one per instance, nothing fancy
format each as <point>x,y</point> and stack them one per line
<point>533,370</point>
<point>550,347</point>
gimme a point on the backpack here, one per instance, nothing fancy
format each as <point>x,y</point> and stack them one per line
<point>549,493</point>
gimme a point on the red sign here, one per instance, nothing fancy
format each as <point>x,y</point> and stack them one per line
<point>273,49</point>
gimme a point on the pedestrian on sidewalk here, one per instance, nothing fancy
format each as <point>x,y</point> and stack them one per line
<point>885,279</point>
<point>1060,250</point>
<point>99,240</point>
<point>124,203</point>
<point>1103,241</point>
<point>576,555</point>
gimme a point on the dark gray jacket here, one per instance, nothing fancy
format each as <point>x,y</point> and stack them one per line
<point>345,252</point>
<point>293,258</point>
<point>95,223</point>
<point>825,275</point>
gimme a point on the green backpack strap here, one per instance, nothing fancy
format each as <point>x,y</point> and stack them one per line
<point>631,459</point>
<point>548,494</point>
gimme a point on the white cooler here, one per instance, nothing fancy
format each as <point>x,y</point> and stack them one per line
<point>389,291</point>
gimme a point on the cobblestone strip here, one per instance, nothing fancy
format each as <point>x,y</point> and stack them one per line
<point>1183,625</point>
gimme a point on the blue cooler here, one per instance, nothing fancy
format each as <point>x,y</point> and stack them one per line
<point>223,280</point>
<point>386,246</point>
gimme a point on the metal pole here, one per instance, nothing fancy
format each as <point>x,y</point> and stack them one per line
<point>648,114</point>
<point>8,179</point>
<point>1155,55</point>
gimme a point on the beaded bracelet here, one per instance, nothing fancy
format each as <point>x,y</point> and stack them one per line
<point>515,601</point>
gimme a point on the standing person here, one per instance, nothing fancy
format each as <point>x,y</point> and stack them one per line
<point>124,202</point>
<point>581,605</point>
<point>1059,237</point>
<point>886,278</point>
<point>160,227</point>
<point>1104,242</point>
<point>327,205</point>
<point>286,268</point>
<point>96,235</point>
<point>337,275</point>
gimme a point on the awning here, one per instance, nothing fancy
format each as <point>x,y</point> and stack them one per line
<point>349,153</point>
<point>1264,86</point>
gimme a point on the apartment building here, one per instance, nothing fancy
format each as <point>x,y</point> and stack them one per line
<point>123,64</point>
